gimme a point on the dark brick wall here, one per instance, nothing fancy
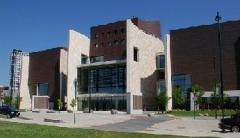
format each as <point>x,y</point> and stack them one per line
<point>193,49</point>
<point>148,89</point>
<point>149,27</point>
<point>117,51</point>
<point>44,68</point>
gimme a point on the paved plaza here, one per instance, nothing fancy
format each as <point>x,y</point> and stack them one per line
<point>156,124</point>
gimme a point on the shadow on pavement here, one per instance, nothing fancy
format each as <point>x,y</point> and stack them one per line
<point>220,131</point>
<point>133,125</point>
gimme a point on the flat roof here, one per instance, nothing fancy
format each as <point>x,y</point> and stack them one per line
<point>50,49</point>
<point>204,25</point>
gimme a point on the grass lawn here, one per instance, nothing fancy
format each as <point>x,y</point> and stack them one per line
<point>18,130</point>
<point>198,113</point>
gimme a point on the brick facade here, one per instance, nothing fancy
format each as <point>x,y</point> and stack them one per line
<point>44,68</point>
<point>193,50</point>
<point>110,40</point>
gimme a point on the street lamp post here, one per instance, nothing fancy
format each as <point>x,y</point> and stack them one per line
<point>215,84</point>
<point>217,19</point>
<point>75,94</point>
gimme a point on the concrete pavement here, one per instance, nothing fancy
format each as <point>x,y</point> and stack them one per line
<point>156,124</point>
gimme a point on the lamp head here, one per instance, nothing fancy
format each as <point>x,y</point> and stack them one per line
<point>218,17</point>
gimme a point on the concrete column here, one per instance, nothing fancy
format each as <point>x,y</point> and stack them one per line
<point>77,44</point>
<point>168,71</point>
<point>191,102</point>
<point>129,103</point>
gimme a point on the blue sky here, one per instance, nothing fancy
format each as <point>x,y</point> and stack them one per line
<point>32,25</point>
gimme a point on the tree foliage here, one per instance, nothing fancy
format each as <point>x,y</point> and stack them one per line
<point>7,100</point>
<point>198,92</point>
<point>217,101</point>
<point>12,101</point>
<point>178,98</point>
<point>73,103</point>
<point>162,100</point>
<point>59,104</point>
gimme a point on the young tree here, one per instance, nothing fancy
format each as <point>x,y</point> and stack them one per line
<point>73,105</point>
<point>162,101</point>
<point>178,99</point>
<point>198,92</point>
<point>17,102</point>
<point>216,101</point>
<point>59,104</point>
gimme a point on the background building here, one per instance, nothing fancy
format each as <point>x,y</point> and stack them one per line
<point>38,78</point>
<point>194,58</point>
<point>17,58</point>
<point>18,78</point>
<point>4,91</point>
<point>47,77</point>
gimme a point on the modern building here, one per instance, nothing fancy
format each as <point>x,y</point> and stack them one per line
<point>18,73</point>
<point>16,69</point>
<point>47,77</point>
<point>195,58</point>
<point>117,68</point>
<point>39,78</point>
<point>123,65</point>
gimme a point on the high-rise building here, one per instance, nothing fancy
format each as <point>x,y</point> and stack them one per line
<point>17,64</point>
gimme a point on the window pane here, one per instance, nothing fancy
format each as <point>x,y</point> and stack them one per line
<point>183,81</point>
<point>162,61</point>
<point>84,59</point>
<point>43,89</point>
<point>135,54</point>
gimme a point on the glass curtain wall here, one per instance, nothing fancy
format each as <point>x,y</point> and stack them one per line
<point>105,103</point>
<point>107,80</point>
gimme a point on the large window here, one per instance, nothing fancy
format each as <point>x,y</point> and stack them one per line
<point>43,89</point>
<point>107,80</point>
<point>103,103</point>
<point>184,81</point>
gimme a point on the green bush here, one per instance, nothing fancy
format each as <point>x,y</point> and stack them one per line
<point>7,100</point>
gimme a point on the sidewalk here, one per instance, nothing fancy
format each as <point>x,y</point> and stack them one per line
<point>156,124</point>
<point>187,126</point>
